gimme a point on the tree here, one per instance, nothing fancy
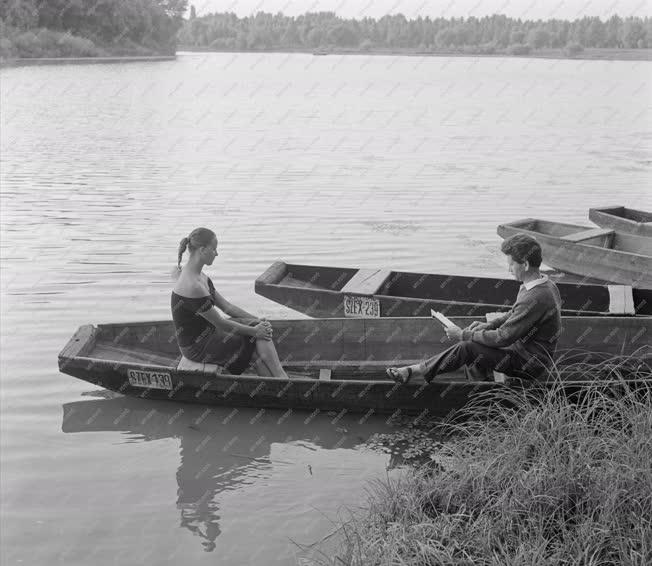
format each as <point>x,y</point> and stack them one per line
<point>517,36</point>
<point>22,14</point>
<point>343,36</point>
<point>596,35</point>
<point>632,32</point>
<point>316,29</point>
<point>315,37</point>
<point>538,38</point>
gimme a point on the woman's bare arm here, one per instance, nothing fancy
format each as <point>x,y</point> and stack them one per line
<point>262,330</point>
<point>229,308</point>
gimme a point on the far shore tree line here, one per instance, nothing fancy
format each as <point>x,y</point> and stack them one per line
<point>82,28</point>
<point>489,34</point>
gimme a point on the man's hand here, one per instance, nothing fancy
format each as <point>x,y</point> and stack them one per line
<point>454,333</point>
<point>477,325</point>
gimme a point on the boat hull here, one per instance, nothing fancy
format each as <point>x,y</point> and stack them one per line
<point>589,258</point>
<point>340,362</point>
<point>319,291</point>
<point>438,399</point>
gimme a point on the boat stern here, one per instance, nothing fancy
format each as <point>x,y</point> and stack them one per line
<point>81,342</point>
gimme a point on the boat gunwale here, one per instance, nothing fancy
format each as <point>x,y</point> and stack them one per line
<point>454,380</point>
<point>606,211</point>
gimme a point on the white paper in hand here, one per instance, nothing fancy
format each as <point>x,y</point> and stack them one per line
<point>445,321</point>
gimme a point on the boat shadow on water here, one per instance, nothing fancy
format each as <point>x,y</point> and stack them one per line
<point>220,448</point>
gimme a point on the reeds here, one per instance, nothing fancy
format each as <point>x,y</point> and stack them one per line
<point>537,476</point>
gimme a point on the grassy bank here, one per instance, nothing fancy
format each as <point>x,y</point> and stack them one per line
<point>544,482</point>
<point>605,54</point>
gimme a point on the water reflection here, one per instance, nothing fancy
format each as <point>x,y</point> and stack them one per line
<point>221,448</point>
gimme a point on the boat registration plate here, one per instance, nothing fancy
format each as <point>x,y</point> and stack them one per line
<point>361,307</point>
<point>151,379</point>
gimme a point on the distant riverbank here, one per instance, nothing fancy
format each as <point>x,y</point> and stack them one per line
<point>593,53</point>
<point>24,61</point>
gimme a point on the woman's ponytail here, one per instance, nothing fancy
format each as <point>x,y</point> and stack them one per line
<point>183,244</point>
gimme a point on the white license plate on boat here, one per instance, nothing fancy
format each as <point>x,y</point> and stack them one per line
<point>362,307</point>
<point>150,379</point>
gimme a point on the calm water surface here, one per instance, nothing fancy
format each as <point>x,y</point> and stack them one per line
<point>400,162</point>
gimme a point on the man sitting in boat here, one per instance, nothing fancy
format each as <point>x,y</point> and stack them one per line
<point>203,334</point>
<point>521,342</point>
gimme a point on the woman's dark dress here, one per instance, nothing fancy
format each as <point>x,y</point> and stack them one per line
<point>200,341</point>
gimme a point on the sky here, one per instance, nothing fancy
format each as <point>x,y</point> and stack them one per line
<point>524,9</point>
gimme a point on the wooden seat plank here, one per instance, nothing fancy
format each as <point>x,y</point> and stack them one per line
<point>366,281</point>
<point>621,299</point>
<point>189,365</point>
<point>588,234</point>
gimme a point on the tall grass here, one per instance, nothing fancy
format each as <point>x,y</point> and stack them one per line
<point>535,477</point>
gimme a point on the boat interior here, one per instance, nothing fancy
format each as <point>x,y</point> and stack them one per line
<point>598,237</point>
<point>347,348</point>
<point>398,284</point>
<point>331,352</point>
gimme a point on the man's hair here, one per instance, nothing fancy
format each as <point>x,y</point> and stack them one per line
<point>522,248</point>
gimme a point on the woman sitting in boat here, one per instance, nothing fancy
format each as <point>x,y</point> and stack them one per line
<point>521,342</point>
<point>203,334</point>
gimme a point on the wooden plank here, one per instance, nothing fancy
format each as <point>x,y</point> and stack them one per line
<point>126,354</point>
<point>366,281</point>
<point>621,299</point>
<point>190,365</point>
<point>273,274</point>
<point>81,341</point>
<point>588,234</point>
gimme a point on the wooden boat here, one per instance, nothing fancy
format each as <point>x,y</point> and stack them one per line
<point>341,363</point>
<point>324,292</point>
<point>590,252</point>
<point>626,220</point>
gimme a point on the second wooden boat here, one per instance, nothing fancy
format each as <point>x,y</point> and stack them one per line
<point>327,291</point>
<point>628,220</point>
<point>600,253</point>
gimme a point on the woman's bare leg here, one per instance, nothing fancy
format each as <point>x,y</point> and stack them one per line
<point>267,354</point>
<point>260,366</point>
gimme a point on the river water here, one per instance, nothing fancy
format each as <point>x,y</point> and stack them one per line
<point>372,161</point>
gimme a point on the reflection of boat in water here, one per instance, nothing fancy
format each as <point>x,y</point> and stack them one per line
<point>220,447</point>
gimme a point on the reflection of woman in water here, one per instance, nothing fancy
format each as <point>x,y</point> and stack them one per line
<point>219,458</point>
<point>198,512</point>
<point>203,334</point>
